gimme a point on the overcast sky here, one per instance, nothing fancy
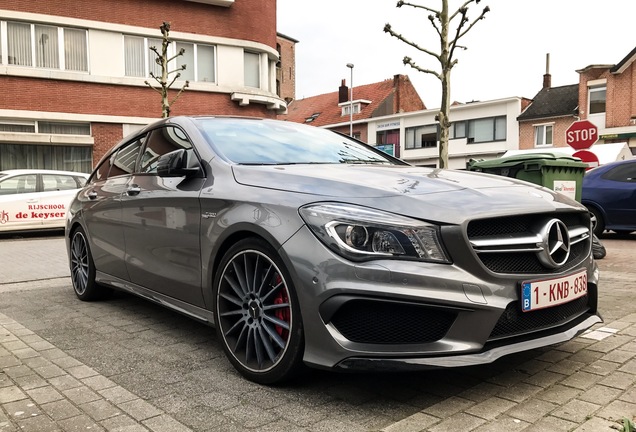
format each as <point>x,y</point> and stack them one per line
<point>506,53</point>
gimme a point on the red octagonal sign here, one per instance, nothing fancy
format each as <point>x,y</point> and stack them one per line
<point>581,134</point>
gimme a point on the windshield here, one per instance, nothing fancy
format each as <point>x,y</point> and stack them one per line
<point>272,142</point>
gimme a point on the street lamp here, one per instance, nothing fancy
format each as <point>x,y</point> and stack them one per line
<point>350,66</point>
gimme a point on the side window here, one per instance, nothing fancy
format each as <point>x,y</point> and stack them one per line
<point>125,160</point>
<point>622,173</point>
<point>161,141</point>
<point>19,184</point>
<point>57,182</point>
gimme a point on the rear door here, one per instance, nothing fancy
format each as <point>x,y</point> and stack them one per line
<point>161,219</point>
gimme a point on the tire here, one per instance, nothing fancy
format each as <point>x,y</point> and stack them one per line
<point>83,268</point>
<point>257,315</point>
<point>599,224</point>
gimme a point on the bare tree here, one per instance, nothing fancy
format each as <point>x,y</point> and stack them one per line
<point>441,21</point>
<point>163,61</point>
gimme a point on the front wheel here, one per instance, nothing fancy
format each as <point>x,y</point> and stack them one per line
<point>257,315</point>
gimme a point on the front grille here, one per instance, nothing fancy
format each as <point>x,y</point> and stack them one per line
<point>514,322</point>
<point>528,262</point>
<point>502,256</point>
<point>382,322</point>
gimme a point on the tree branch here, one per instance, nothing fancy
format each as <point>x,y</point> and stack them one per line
<point>410,62</point>
<point>387,29</point>
<point>452,17</point>
<point>479,18</point>
<point>187,84</point>
<point>154,88</point>
<point>401,3</point>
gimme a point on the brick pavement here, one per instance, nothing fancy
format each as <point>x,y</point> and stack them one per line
<point>126,365</point>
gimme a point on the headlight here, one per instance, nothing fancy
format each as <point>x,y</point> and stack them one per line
<point>362,233</point>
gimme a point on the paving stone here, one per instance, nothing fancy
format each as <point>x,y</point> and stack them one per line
<point>11,394</point>
<point>544,378</point>
<point>448,407</point>
<point>81,395</point>
<point>619,380</point>
<point>520,392</point>
<point>44,395</point>
<point>25,353</point>
<point>504,424</point>
<point>531,410</point>
<point>36,362</point>
<point>29,382</point>
<point>463,420</point>
<point>64,382</point>
<point>566,367</point>
<point>617,410</point>
<point>618,356</point>
<point>17,370</point>
<point>558,394</point>
<point>596,424</point>
<point>80,423</point>
<point>117,395</point>
<point>100,409</point>
<point>40,423</point>
<point>629,367</point>
<point>139,409</point>
<point>576,410</point>
<point>611,343</point>
<point>490,408</point>
<point>98,382</point>
<point>481,391</point>
<point>61,409</point>
<point>122,423</point>
<point>51,371</point>
<point>581,380</point>
<point>415,423</point>
<point>67,362</point>
<point>600,394</point>
<point>22,409</point>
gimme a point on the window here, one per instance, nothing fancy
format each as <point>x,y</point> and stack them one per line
<point>62,128</point>
<point>421,137</point>
<point>597,100</point>
<point>58,157</point>
<point>125,160</point>
<point>543,135</point>
<point>457,130</point>
<point>19,184</point>
<point>161,142</point>
<point>346,109</point>
<point>140,61</point>
<point>46,46</point>
<point>252,69</point>
<point>486,129</point>
<point>56,182</point>
<point>625,172</point>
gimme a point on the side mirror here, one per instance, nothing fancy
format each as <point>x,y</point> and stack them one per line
<point>176,164</point>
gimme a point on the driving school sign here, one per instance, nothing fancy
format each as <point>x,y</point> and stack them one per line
<point>581,134</point>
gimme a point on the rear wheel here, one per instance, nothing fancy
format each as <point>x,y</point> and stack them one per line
<point>83,268</point>
<point>597,221</point>
<point>257,315</point>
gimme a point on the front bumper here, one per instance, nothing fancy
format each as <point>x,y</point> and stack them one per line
<point>469,306</point>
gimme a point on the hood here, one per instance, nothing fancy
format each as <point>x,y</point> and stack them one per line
<point>425,193</point>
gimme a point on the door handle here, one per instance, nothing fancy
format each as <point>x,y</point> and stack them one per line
<point>133,190</point>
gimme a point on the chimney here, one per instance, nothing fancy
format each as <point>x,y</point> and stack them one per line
<point>343,92</point>
<point>547,78</point>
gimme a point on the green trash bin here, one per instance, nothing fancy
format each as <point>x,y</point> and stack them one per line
<point>556,171</point>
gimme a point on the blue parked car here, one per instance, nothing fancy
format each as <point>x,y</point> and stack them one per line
<point>609,192</point>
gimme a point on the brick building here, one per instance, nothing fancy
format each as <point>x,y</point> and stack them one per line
<point>72,72</point>
<point>286,67</point>
<point>333,110</point>
<point>604,95</point>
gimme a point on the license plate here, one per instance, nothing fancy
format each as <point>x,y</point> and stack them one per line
<point>551,292</point>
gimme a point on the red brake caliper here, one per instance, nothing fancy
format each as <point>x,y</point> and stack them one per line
<point>281,314</point>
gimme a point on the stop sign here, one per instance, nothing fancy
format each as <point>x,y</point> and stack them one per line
<point>588,157</point>
<point>581,134</point>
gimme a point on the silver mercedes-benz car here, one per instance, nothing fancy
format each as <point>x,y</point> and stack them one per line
<point>303,246</point>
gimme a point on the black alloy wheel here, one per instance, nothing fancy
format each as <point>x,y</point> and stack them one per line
<point>83,268</point>
<point>256,313</point>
